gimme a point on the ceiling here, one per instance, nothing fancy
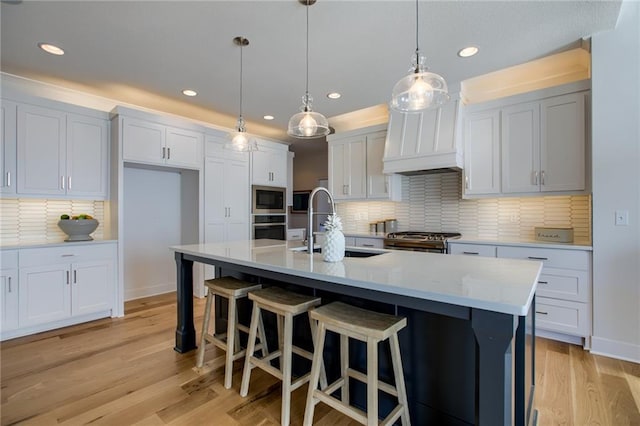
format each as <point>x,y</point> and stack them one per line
<point>126,49</point>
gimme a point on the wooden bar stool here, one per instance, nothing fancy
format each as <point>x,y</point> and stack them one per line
<point>232,289</point>
<point>286,305</point>
<point>369,327</point>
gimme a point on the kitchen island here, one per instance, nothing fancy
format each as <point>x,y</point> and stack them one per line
<point>468,347</point>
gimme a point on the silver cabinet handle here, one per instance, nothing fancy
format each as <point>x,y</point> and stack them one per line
<point>229,211</point>
<point>535,177</point>
<point>9,283</point>
<point>542,313</point>
<point>75,276</point>
<point>470,252</point>
<point>537,258</point>
<point>164,150</point>
<point>67,255</point>
<point>62,181</point>
<point>168,153</point>
<point>367,245</point>
<point>8,178</point>
<point>67,277</point>
<point>466,182</point>
<point>68,182</point>
<point>543,282</point>
<point>542,177</point>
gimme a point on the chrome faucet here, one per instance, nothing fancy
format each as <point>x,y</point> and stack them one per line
<point>310,214</point>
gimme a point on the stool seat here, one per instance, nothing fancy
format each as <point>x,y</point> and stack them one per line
<point>359,322</point>
<point>232,289</point>
<point>281,300</point>
<point>371,328</point>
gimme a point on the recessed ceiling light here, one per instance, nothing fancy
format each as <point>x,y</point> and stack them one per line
<point>51,48</point>
<point>334,95</point>
<point>268,117</point>
<point>189,92</point>
<point>468,51</point>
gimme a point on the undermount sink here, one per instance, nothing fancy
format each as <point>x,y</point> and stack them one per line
<point>349,252</point>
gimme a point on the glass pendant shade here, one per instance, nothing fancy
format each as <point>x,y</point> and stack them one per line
<point>308,124</point>
<point>420,89</point>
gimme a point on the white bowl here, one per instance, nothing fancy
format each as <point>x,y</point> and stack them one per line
<point>78,230</point>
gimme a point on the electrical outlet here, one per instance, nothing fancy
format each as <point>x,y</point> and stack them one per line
<point>622,217</point>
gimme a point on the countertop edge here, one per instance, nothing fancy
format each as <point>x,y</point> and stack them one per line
<point>515,243</point>
<point>54,244</point>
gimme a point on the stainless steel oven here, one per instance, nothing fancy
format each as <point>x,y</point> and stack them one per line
<point>432,242</point>
<point>268,200</point>
<point>271,226</point>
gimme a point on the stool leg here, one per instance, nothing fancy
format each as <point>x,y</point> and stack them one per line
<point>323,373</point>
<point>205,329</point>
<point>344,363</point>
<point>315,373</point>
<point>251,345</point>
<point>372,381</point>
<point>263,339</point>
<point>396,360</point>
<point>231,342</point>
<point>286,369</point>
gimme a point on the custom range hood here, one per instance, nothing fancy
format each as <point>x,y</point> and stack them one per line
<point>423,142</point>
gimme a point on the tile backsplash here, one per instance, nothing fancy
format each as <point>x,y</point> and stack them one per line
<point>434,203</point>
<point>26,220</point>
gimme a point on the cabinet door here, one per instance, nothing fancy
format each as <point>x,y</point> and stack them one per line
<point>482,153</point>
<point>337,167</point>
<point>143,141</point>
<point>184,148</point>
<point>236,198</point>
<point>91,287</point>
<point>471,249</point>
<point>278,161</point>
<point>87,156</point>
<point>521,148</point>
<point>261,168</point>
<point>44,294</point>
<point>8,148</point>
<point>215,209</point>
<point>377,182</point>
<point>9,302</point>
<point>562,148</point>
<point>41,134</point>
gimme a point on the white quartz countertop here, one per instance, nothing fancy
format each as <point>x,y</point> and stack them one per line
<point>499,285</point>
<point>52,243</point>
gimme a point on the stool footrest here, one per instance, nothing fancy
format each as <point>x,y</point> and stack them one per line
<point>393,416</point>
<point>385,387</point>
<point>355,413</point>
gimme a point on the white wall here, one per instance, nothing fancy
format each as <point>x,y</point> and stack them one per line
<point>616,185</point>
<point>152,218</point>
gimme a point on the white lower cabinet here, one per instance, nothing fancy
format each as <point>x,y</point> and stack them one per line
<point>59,286</point>
<point>364,242</point>
<point>9,295</point>
<point>563,296</point>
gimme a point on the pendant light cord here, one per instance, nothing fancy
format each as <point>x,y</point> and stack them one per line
<point>417,39</point>
<point>241,46</point>
<point>307,83</point>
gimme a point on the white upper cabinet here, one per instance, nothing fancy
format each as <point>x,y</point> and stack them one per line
<point>347,168</point>
<point>531,143</point>
<point>8,148</point>
<point>61,153</point>
<point>356,167</point>
<point>423,140</point>
<point>562,143</point>
<point>482,153</point>
<point>269,164</point>
<point>154,143</point>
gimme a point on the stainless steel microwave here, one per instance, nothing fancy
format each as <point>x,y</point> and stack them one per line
<point>268,200</point>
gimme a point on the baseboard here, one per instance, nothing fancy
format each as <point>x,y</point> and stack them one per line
<point>39,328</point>
<point>567,338</point>
<point>139,293</point>
<point>615,349</point>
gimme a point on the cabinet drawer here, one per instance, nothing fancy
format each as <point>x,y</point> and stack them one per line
<point>369,242</point>
<point>562,316</point>
<point>472,249</point>
<point>551,258</point>
<point>295,234</point>
<point>8,259</point>
<point>71,254</point>
<point>564,284</point>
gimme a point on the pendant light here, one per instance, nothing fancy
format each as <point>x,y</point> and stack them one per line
<point>420,89</point>
<point>240,140</point>
<point>307,124</point>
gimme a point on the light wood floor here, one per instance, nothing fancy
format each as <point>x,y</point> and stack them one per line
<point>124,372</point>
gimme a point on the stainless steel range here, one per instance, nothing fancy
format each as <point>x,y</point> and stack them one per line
<point>434,242</point>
